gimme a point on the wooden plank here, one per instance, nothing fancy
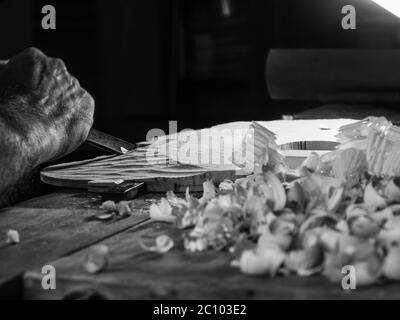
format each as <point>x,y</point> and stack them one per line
<point>135,274</point>
<point>53,226</point>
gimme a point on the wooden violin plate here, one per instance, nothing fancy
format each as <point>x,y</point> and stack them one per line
<point>164,166</point>
<point>160,175</point>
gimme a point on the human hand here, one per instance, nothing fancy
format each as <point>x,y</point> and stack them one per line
<point>54,110</point>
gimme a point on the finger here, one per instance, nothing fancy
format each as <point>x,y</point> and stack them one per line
<point>30,53</point>
<point>24,69</point>
<point>27,57</point>
<point>53,74</point>
<point>68,98</point>
<point>82,118</point>
<point>87,107</point>
<point>75,134</point>
<point>60,87</point>
<point>64,88</point>
<point>57,67</point>
<point>81,104</point>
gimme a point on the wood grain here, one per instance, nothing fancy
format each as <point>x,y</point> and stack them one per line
<point>160,174</point>
<point>135,274</point>
<point>53,226</point>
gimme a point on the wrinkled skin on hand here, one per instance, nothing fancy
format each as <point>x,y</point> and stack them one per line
<point>59,111</point>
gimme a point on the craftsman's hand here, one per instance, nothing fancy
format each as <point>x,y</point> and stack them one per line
<point>55,113</point>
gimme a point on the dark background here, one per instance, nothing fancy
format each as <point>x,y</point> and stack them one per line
<point>200,62</point>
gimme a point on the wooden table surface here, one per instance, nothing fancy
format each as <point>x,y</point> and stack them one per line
<point>51,227</point>
<point>59,229</point>
<point>136,274</point>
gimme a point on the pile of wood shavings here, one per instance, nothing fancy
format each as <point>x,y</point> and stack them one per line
<point>330,213</point>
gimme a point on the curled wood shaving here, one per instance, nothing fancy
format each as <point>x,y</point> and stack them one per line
<point>162,211</point>
<point>97,259</point>
<point>12,237</point>
<point>162,244</point>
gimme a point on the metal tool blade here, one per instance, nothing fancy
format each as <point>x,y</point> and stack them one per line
<point>104,141</point>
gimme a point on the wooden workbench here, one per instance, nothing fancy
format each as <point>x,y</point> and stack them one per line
<point>51,227</point>
<point>59,229</point>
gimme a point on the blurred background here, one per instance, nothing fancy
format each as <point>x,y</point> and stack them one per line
<point>200,62</point>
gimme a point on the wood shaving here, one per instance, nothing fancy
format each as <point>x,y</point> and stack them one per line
<point>12,237</point>
<point>97,259</point>
<point>333,211</point>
